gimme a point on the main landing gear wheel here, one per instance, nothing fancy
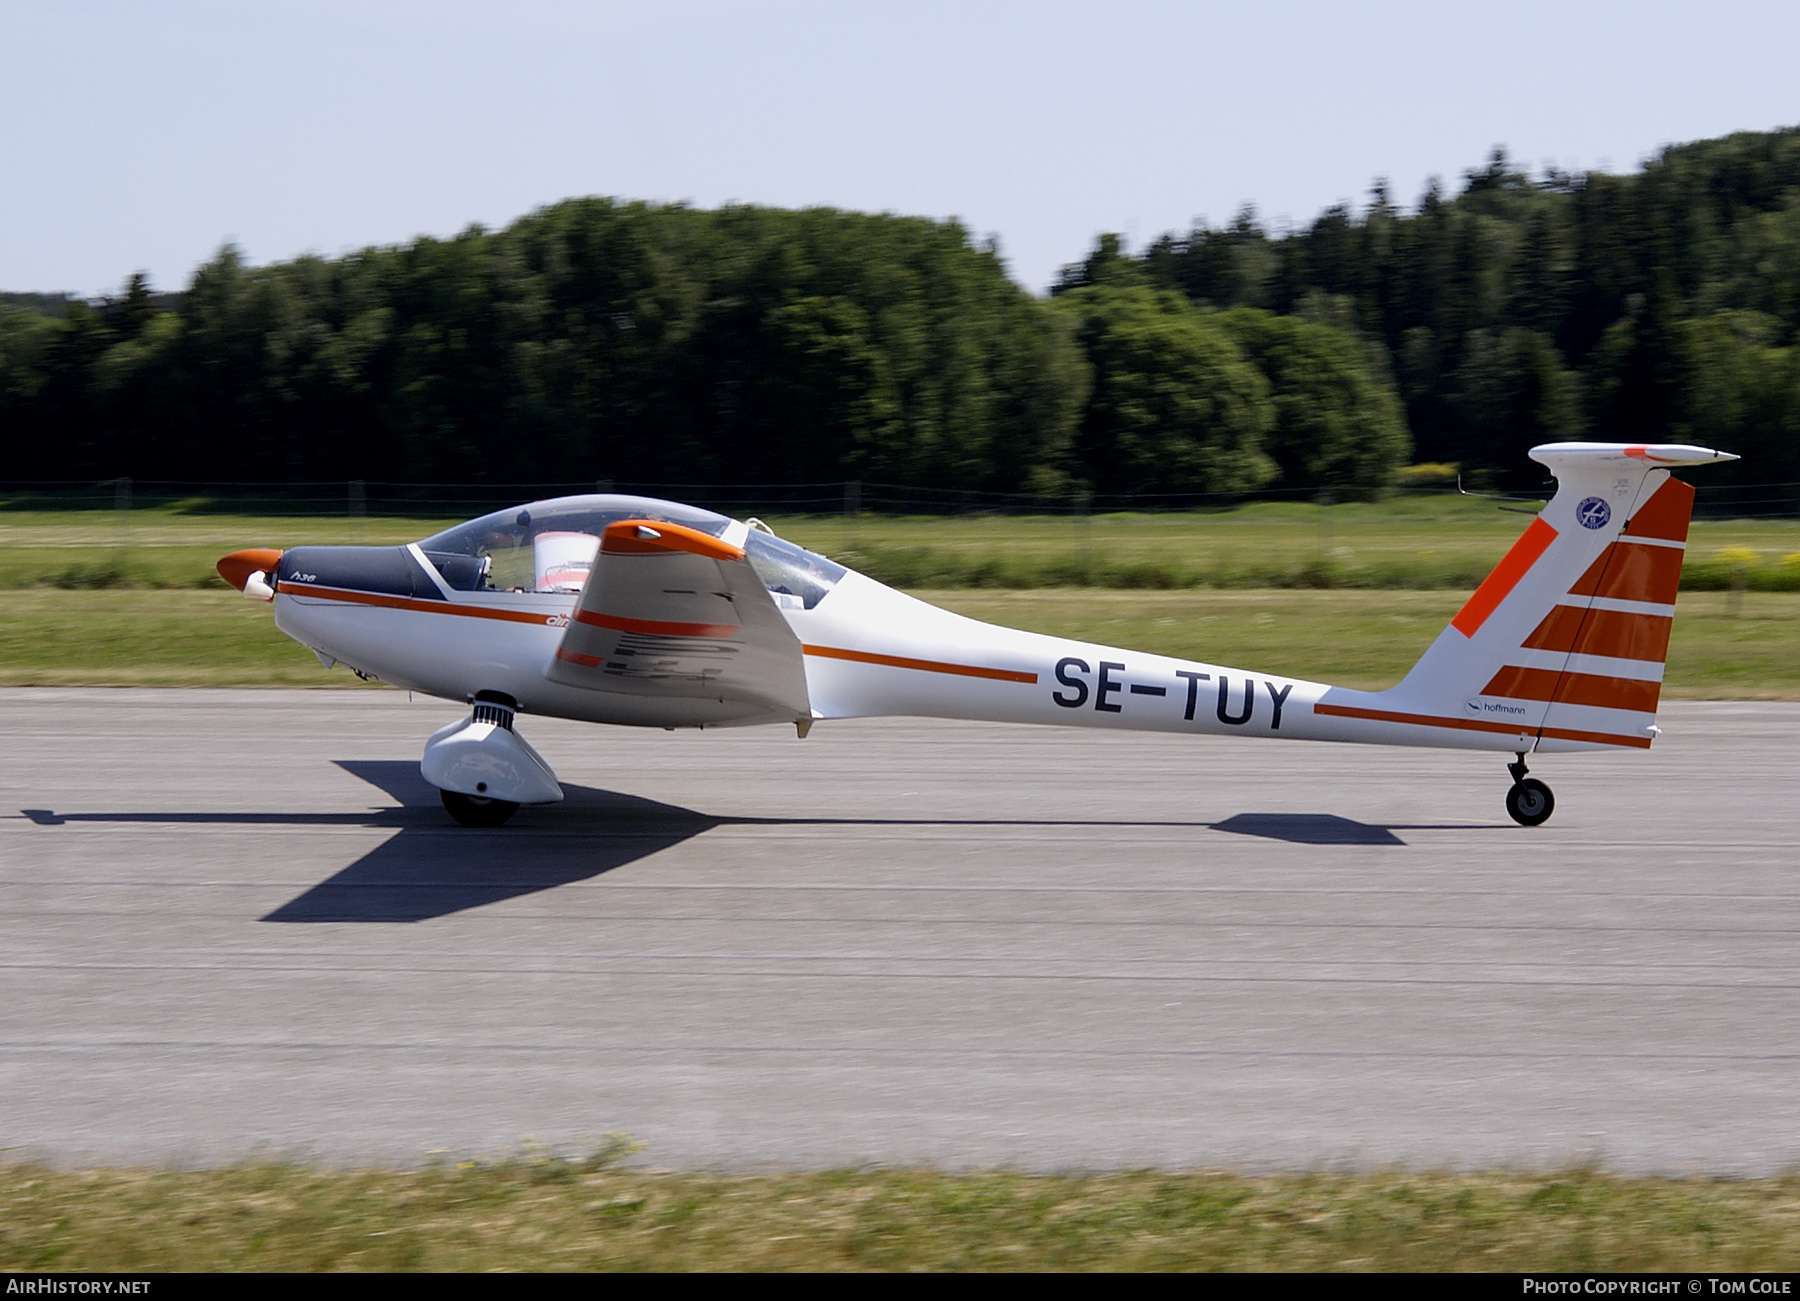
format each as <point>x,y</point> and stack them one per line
<point>476,811</point>
<point>1529,803</point>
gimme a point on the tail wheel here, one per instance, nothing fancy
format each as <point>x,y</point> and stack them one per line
<point>476,811</point>
<point>1530,802</point>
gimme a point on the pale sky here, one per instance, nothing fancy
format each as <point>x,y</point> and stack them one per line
<point>143,136</point>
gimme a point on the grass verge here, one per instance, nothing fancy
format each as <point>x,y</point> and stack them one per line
<point>1282,587</point>
<point>1726,646</point>
<point>545,1213</point>
<point>150,639</point>
<point>1425,543</point>
<point>1421,543</point>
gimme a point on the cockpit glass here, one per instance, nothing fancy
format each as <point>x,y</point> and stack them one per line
<point>549,546</point>
<point>796,578</point>
<point>546,546</point>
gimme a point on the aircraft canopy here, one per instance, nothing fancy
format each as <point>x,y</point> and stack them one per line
<point>549,546</point>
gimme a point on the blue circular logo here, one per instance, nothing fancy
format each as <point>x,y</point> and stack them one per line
<point>1593,513</point>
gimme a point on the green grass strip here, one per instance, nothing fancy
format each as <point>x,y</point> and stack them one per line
<point>1726,646</point>
<point>1349,594</point>
<point>545,1213</point>
<point>1429,543</point>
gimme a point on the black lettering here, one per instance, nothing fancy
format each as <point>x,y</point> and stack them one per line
<point>1079,699</point>
<point>1278,699</point>
<point>1106,686</point>
<point>1193,680</point>
<point>1139,689</point>
<point>1249,701</point>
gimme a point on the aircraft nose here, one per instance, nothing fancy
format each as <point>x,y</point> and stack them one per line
<point>238,567</point>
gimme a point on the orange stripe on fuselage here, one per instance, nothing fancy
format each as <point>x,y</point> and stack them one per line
<point>616,623</point>
<point>1612,633</point>
<point>1480,725</point>
<point>924,666</point>
<point>385,602</point>
<point>1495,588</point>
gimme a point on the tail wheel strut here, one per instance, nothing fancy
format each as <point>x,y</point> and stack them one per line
<point>1529,803</point>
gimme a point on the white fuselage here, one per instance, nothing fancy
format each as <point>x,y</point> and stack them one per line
<point>869,651</point>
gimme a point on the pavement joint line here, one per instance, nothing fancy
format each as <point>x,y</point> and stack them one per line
<point>1334,981</point>
<point>1346,1054</point>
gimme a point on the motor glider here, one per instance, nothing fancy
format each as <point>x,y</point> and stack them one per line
<point>628,610</point>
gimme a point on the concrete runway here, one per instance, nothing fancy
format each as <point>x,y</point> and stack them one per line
<point>237,922</point>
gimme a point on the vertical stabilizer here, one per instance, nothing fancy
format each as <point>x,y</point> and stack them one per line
<point>1562,646</point>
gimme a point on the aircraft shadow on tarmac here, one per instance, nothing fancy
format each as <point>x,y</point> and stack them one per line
<point>434,867</point>
<point>431,867</point>
<point>1309,829</point>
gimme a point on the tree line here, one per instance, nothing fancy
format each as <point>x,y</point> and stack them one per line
<point>1659,306</point>
<point>598,339</point>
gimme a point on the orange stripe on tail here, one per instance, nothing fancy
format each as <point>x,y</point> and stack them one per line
<point>1603,632</point>
<point>1665,515</point>
<point>1633,573</point>
<point>1499,584</point>
<point>1595,689</point>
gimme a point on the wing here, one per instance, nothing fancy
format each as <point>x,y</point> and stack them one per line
<point>670,611</point>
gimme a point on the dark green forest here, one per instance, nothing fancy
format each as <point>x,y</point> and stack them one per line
<point>1659,306</point>
<point>599,339</point>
